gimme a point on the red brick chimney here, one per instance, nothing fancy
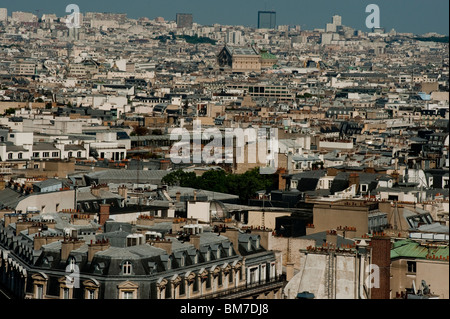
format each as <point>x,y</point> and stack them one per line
<point>381,257</point>
<point>104,213</point>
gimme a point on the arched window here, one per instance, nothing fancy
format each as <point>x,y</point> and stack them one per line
<point>182,260</point>
<point>196,258</point>
<point>72,264</point>
<point>218,252</point>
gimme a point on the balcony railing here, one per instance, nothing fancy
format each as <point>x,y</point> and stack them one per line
<point>247,289</point>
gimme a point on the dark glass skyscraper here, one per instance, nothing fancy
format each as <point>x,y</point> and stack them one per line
<point>267,19</point>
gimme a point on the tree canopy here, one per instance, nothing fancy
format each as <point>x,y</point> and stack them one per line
<point>244,185</point>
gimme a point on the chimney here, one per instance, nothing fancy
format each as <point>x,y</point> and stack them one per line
<point>281,179</point>
<point>178,196</point>
<point>123,191</point>
<point>264,234</point>
<point>381,256</point>
<point>93,248</point>
<point>195,240</point>
<point>104,213</point>
<point>68,245</point>
<point>331,237</point>
<point>40,241</point>
<point>195,196</point>
<point>10,219</point>
<point>95,190</point>
<point>233,236</point>
<point>353,179</point>
<point>2,184</point>
<point>163,244</point>
<point>34,228</point>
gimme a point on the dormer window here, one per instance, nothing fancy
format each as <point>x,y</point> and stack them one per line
<point>182,260</point>
<point>169,263</point>
<point>208,255</point>
<point>257,243</point>
<point>218,253</point>
<point>127,268</point>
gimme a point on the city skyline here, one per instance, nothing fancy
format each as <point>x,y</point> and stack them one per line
<point>399,15</point>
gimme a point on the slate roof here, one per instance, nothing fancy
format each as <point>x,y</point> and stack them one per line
<point>10,198</point>
<point>320,238</point>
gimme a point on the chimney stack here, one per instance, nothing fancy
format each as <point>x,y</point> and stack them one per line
<point>353,179</point>
<point>233,236</point>
<point>195,240</point>
<point>68,245</point>
<point>331,237</point>
<point>381,256</point>
<point>178,196</point>
<point>163,244</point>
<point>99,245</point>
<point>123,191</point>
<point>95,190</point>
<point>103,214</point>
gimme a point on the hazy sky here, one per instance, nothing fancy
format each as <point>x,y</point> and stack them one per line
<point>416,16</point>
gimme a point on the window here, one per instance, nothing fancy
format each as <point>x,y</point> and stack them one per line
<point>36,154</point>
<point>127,294</point>
<point>169,263</point>
<point>10,155</point>
<point>55,154</point>
<point>20,155</point>
<point>412,267</point>
<point>39,291</point>
<point>65,293</point>
<point>90,294</point>
<point>363,188</point>
<point>78,154</point>
<point>126,268</point>
<point>182,261</point>
<point>70,154</point>
<point>46,154</point>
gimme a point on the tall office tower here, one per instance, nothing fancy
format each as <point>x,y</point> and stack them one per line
<point>3,15</point>
<point>184,20</point>
<point>267,19</point>
<point>337,20</point>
